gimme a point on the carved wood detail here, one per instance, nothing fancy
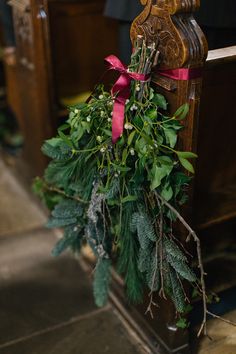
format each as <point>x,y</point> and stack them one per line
<point>182,44</point>
<point>170,23</point>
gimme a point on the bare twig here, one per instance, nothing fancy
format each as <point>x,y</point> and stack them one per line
<point>151,303</point>
<point>221,318</point>
<point>192,233</point>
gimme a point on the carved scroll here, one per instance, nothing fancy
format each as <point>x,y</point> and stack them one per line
<point>182,44</point>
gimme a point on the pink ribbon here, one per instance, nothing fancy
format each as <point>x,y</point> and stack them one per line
<point>184,74</point>
<point>121,92</point>
<point>121,88</point>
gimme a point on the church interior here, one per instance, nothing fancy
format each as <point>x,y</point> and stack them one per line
<point>51,61</point>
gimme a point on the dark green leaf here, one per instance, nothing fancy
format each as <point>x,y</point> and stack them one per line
<point>186,164</point>
<point>171,137</point>
<point>186,154</point>
<point>160,101</point>
<point>182,112</point>
<point>131,137</point>
<point>129,198</point>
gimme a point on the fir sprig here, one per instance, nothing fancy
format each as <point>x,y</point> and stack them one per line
<point>108,191</point>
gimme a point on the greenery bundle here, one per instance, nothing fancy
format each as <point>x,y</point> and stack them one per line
<point>122,199</point>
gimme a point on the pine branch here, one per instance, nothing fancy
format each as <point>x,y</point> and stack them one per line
<point>60,191</point>
<point>192,233</point>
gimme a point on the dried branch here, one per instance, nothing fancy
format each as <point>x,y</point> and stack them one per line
<point>151,303</point>
<point>192,233</point>
<point>221,318</point>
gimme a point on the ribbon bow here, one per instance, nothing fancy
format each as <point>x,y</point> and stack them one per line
<point>121,92</point>
<point>121,89</point>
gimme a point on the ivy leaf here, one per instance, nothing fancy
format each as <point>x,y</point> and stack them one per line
<point>186,164</point>
<point>160,101</point>
<point>182,112</point>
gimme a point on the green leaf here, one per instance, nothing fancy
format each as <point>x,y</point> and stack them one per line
<point>158,173</point>
<point>65,138</point>
<point>131,137</point>
<point>80,133</point>
<point>86,126</point>
<point>107,132</point>
<point>186,164</point>
<point>171,136</point>
<point>121,168</point>
<point>151,94</point>
<point>167,192</point>
<point>186,154</point>
<point>151,113</point>
<point>129,198</point>
<point>182,323</point>
<point>160,101</point>
<point>182,112</point>
<point>124,156</point>
<point>64,127</point>
<point>141,145</point>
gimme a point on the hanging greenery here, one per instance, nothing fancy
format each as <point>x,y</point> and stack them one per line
<point>122,197</point>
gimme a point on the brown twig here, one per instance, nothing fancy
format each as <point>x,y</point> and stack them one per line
<point>151,303</point>
<point>192,233</point>
<point>221,318</point>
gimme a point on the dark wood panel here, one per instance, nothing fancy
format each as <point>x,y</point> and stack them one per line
<point>60,51</point>
<point>81,37</point>
<point>215,187</point>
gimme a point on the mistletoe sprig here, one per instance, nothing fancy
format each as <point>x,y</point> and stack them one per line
<point>122,199</point>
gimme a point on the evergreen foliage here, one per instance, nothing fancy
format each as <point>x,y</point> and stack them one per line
<point>102,277</point>
<point>104,194</point>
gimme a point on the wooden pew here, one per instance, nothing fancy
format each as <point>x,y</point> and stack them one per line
<point>215,183</point>
<point>60,52</point>
<point>209,131</point>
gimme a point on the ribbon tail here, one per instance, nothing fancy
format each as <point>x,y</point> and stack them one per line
<point>118,118</point>
<point>122,91</point>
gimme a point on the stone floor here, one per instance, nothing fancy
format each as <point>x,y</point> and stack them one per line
<point>46,304</point>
